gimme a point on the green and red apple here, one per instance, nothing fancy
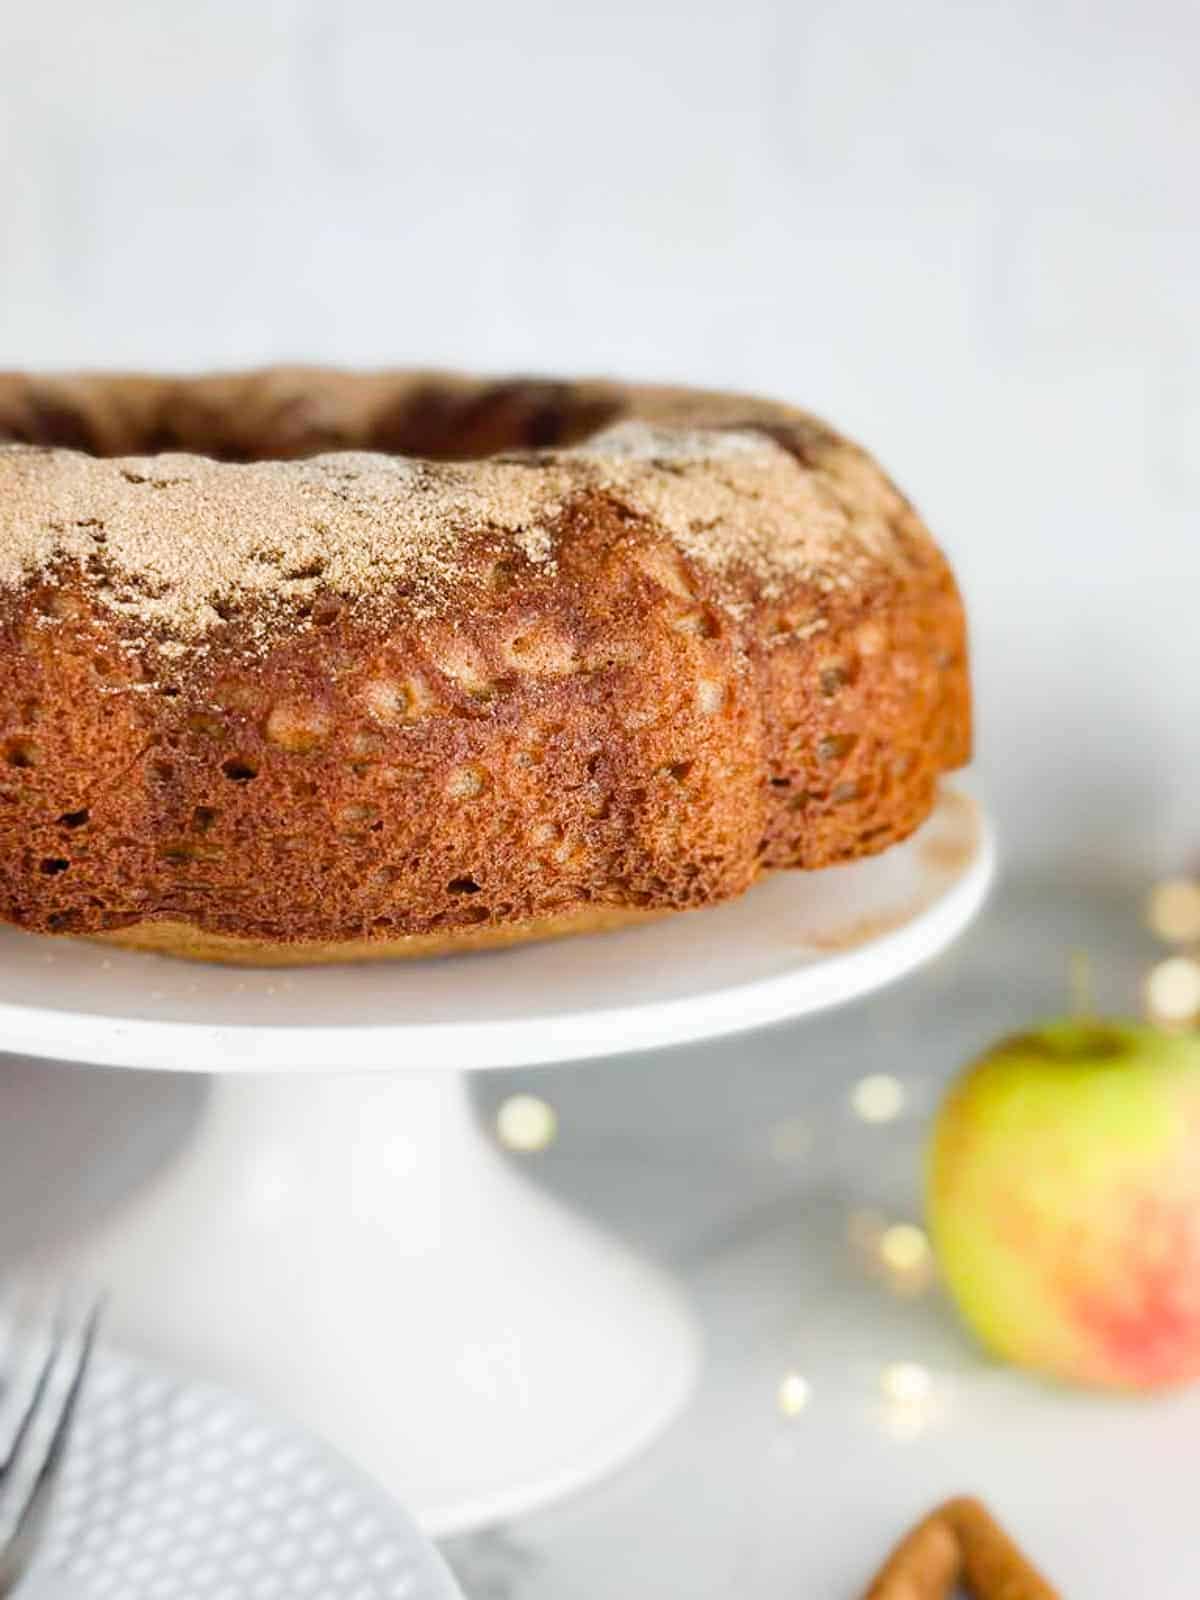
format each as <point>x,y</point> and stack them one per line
<point>1063,1194</point>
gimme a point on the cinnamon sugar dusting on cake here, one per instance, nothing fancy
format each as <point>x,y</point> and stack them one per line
<point>181,543</point>
<point>738,503</point>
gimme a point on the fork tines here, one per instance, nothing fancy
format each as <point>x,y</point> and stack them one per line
<point>43,1367</point>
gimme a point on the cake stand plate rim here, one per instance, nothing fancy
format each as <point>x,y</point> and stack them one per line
<point>908,935</point>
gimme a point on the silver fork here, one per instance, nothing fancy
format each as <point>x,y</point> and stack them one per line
<point>40,1384</point>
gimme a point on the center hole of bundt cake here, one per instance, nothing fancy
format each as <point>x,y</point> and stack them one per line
<point>276,417</point>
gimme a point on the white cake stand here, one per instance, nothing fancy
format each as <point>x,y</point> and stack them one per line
<point>342,1240</point>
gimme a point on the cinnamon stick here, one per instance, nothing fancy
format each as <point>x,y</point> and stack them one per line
<point>959,1543</point>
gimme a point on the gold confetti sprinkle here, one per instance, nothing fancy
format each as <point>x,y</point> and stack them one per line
<point>1173,992</point>
<point>906,1382</point>
<point>1173,911</point>
<point>910,1399</point>
<point>795,1392</point>
<point>904,1249</point>
<point>878,1097</point>
<point>525,1122</point>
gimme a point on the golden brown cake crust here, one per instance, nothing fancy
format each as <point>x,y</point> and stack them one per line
<point>349,662</point>
<point>194,944</point>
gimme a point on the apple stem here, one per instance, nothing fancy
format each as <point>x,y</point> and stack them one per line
<point>1079,983</point>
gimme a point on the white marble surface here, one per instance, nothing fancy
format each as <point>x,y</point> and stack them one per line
<point>739,1165</point>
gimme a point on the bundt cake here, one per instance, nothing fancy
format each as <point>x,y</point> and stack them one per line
<point>303,665</point>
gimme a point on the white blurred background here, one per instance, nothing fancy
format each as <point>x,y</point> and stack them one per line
<point>966,232</point>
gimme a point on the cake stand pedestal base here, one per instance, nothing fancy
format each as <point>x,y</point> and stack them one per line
<point>346,1244</point>
<point>352,1250</point>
